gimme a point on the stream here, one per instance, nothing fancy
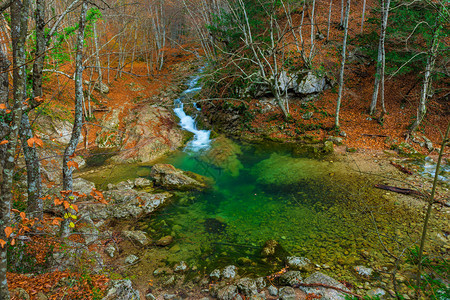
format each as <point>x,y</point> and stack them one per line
<point>316,208</point>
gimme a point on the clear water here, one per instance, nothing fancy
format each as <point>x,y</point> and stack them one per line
<point>298,202</point>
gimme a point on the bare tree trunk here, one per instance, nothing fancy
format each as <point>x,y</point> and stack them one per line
<point>363,15</point>
<point>431,60</point>
<point>329,20</point>
<point>381,62</point>
<point>78,122</point>
<point>19,22</point>
<point>97,58</point>
<point>341,24</point>
<point>341,75</point>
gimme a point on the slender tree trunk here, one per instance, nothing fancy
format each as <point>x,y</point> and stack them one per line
<point>78,122</point>
<point>341,22</point>
<point>431,60</point>
<point>341,75</point>
<point>35,203</point>
<point>363,15</point>
<point>19,22</point>
<point>97,58</point>
<point>381,61</point>
<point>329,20</point>
<point>445,141</point>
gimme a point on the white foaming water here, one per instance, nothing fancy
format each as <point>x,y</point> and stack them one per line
<point>201,137</point>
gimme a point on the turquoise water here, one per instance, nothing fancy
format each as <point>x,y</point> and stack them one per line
<point>262,194</point>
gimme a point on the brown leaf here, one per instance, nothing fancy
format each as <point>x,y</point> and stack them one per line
<point>4,142</point>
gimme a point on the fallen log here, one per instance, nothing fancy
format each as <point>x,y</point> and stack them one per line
<point>402,168</point>
<point>399,190</point>
<point>375,135</point>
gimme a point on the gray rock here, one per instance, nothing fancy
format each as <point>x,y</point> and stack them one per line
<point>181,267</point>
<point>327,294</point>
<point>41,296</point>
<point>142,182</point>
<point>121,289</point>
<point>343,134</point>
<point>310,84</point>
<point>150,296</point>
<point>260,283</point>
<point>136,236</point>
<point>363,271</point>
<point>169,281</point>
<point>73,255</point>
<point>307,116</point>
<point>229,272</point>
<point>260,296</point>
<point>82,186</point>
<point>228,292</point>
<point>122,186</point>
<point>168,176</point>
<point>291,278</point>
<point>101,87</point>
<point>247,286</point>
<point>377,292</point>
<point>299,263</point>
<point>110,249</point>
<point>131,259</point>
<point>287,293</point>
<point>273,291</point>
<point>335,140</point>
<point>215,275</point>
<point>170,297</point>
<point>124,204</point>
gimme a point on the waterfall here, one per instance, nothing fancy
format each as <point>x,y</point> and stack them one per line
<point>201,138</point>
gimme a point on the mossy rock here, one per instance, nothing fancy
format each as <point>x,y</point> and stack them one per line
<point>224,154</point>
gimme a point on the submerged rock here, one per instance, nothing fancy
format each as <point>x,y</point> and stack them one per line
<point>137,236</point>
<point>299,263</point>
<point>214,226</point>
<point>164,241</point>
<point>284,170</point>
<point>168,176</point>
<point>223,154</point>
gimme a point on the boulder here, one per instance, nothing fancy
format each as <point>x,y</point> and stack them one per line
<point>136,236</point>
<point>124,204</point>
<point>110,136</point>
<point>168,176</point>
<point>291,278</point>
<point>310,84</point>
<point>287,293</point>
<point>164,241</point>
<point>270,248</point>
<point>82,186</point>
<point>121,289</point>
<point>228,292</point>
<point>215,275</point>
<point>229,272</point>
<point>131,259</point>
<point>101,87</point>
<point>151,132</point>
<point>299,263</point>
<point>327,294</point>
<point>247,286</point>
<point>181,267</point>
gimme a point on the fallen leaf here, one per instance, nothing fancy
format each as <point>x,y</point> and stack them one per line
<point>4,142</point>
<point>8,231</point>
